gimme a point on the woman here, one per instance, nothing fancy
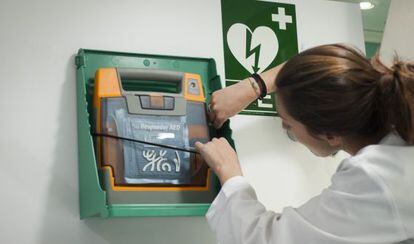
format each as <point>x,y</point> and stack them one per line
<point>329,98</point>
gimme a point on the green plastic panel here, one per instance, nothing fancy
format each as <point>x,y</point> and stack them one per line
<point>93,199</point>
<point>123,210</point>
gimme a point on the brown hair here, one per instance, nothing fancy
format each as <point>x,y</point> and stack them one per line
<point>335,89</point>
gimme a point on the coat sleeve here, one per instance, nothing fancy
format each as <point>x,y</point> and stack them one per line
<point>342,214</point>
<point>237,217</point>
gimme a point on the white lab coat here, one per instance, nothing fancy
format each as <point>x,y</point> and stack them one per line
<point>370,200</point>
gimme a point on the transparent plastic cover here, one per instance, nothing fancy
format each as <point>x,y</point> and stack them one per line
<point>140,163</point>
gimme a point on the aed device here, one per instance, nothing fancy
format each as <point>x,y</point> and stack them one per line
<point>147,122</point>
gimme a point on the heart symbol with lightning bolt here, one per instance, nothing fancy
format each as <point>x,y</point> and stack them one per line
<point>256,50</point>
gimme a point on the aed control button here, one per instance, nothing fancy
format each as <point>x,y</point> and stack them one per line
<point>168,103</point>
<point>145,102</point>
<point>193,87</point>
<point>156,102</point>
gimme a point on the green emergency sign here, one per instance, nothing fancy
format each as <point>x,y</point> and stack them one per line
<point>257,35</point>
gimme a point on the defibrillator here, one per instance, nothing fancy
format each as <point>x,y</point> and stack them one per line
<point>146,124</point>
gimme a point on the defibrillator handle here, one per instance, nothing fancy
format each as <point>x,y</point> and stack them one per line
<point>154,75</point>
<point>154,102</point>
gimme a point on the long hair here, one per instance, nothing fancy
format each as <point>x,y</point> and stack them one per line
<point>335,89</point>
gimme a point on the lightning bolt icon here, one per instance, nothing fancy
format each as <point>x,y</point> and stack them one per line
<point>250,51</point>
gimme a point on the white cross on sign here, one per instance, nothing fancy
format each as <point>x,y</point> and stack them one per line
<point>282,18</point>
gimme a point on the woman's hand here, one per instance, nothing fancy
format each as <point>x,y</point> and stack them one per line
<point>221,158</point>
<point>229,101</point>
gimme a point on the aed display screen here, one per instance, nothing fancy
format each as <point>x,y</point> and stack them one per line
<point>150,85</point>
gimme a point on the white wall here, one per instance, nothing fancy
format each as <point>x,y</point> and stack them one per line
<point>399,31</point>
<point>38,149</point>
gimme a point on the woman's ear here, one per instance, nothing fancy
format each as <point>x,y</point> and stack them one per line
<point>333,140</point>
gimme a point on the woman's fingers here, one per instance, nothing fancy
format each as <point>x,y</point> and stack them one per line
<point>211,115</point>
<point>215,115</point>
<point>213,150</point>
<point>228,101</point>
<point>199,146</point>
<point>206,150</point>
<point>219,117</point>
<point>221,157</point>
<point>218,122</point>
